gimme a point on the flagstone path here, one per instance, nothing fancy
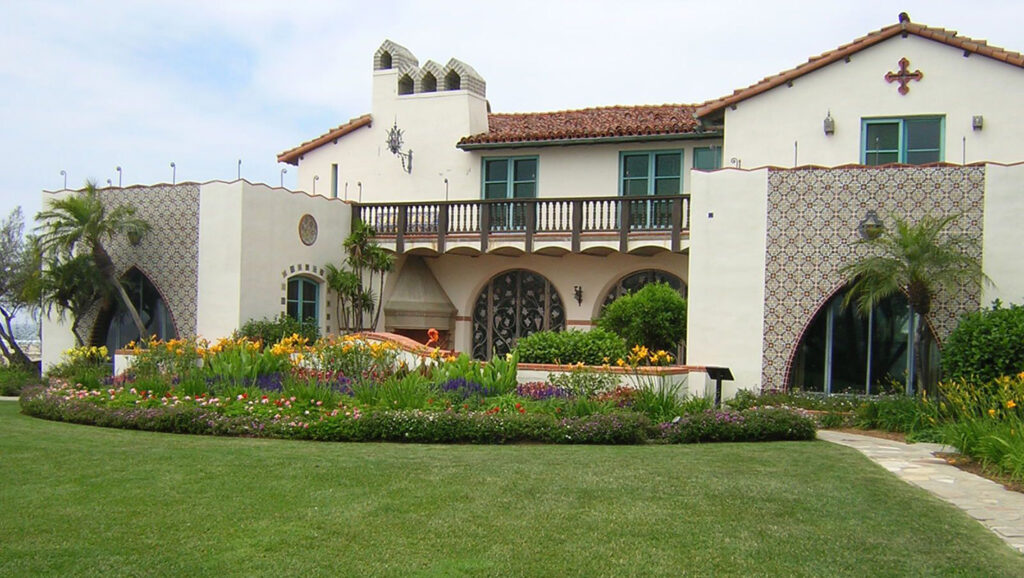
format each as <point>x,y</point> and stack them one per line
<point>988,502</point>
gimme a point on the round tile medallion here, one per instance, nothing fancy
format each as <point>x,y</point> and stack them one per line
<point>307,229</point>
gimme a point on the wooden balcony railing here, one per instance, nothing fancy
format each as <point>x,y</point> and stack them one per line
<point>622,216</point>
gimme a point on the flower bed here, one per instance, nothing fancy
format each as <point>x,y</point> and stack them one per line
<point>358,388</point>
<point>291,418</point>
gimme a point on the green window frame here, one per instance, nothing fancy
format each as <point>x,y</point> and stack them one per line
<point>707,158</point>
<point>303,300</point>
<point>913,140</point>
<point>509,177</point>
<point>650,173</point>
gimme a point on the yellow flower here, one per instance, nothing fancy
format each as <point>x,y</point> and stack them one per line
<point>992,413</point>
<point>1011,404</point>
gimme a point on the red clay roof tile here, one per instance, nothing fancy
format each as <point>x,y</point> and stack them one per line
<point>292,156</point>
<point>611,121</point>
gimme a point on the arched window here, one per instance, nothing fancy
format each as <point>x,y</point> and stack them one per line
<point>156,317</point>
<point>514,304</point>
<point>843,351</point>
<point>303,299</point>
<point>636,280</point>
<point>405,84</point>
<point>385,60</point>
<point>429,82</point>
<point>452,81</point>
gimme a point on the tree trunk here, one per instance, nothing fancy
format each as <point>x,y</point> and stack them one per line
<point>912,366</point>
<point>13,352</point>
<point>380,302</point>
<point>106,267</point>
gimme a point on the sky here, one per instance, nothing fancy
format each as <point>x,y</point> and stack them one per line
<point>89,86</point>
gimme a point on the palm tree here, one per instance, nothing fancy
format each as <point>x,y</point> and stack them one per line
<point>82,222</point>
<point>915,259</point>
<point>71,286</point>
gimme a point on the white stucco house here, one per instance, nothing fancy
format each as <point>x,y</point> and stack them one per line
<point>505,224</point>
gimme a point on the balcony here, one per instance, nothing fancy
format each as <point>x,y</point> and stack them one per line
<point>597,225</point>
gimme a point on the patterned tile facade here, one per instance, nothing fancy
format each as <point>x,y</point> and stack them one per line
<point>813,214</point>
<point>168,254</point>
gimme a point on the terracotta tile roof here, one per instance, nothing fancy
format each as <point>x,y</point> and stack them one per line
<point>292,156</point>
<point>905,26</point>
<point>587,123</point>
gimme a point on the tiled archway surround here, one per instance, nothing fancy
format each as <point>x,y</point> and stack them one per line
<point>813,215</point>
<point>168,254</point>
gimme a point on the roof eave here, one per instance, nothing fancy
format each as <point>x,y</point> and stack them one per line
<point>589,140</point>
<point>292,156</point>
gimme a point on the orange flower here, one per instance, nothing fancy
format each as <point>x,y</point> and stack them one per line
<point>433,335</point>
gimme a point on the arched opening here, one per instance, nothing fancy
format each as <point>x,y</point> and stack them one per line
<point>156,316</point>
<point>452,81</point>
<point>514,304</point>
<point>385,60</point>
<point>429,82</point>
<point>638,279</point>
<point>303,300</point>
<point>844,351</point>
<point>405,84</point>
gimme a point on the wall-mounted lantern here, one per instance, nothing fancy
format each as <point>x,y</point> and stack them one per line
<point>977,122</point>
<point>870,226</point>
<point>829,124</point>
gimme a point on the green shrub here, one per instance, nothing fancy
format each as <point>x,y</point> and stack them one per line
<point>986,344</point>
<point>654,317</point>
<point>897,413</point>
<point>583,382</point>
<point>763,424</point>
<point>14,378</point>
<point>594,347</point>
<point>270,331</point>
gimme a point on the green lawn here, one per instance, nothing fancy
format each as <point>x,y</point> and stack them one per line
<point>77,500</point>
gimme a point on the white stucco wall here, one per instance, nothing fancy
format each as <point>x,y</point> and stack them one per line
<point>249,245</point>
<point>762,129</point>
<point>432,124</point>
<point>271,247</point>
<point>220,258</point>
<point>1003,234</point>
<point>728,232</point>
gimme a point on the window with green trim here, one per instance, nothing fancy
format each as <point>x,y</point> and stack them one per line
<point>509,178</point>
<point>303,299</point>
<point>910,140</point>
<point>707,158</point>
<point>650,174</point>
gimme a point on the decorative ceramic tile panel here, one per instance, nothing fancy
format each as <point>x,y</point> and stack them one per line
<point>813,215</point>
<point>168,254</point>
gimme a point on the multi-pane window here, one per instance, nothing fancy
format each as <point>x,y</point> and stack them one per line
<point>707,158</point>
<point>303,299</point>
<point>509,178</point>
<point>651,174</point>
<point>911,140</point>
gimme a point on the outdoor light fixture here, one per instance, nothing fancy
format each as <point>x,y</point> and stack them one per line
<point>977,122</point>
<point>870,226</point>
<point>283,171</point>
<point>64,174</point>
<point>239,169</point>
<point>829,124</point>
<point>118,169</point>
<point>577,292</point>
<point>315,179</point>
<point>174,173</point>
<point>394,142</point>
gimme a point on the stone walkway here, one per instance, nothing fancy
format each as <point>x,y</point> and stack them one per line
<point>999,509</point>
